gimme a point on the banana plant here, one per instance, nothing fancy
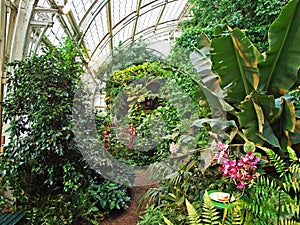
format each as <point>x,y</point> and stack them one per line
<point>254,83</point>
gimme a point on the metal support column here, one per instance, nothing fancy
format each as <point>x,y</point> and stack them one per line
<point>2,64</point>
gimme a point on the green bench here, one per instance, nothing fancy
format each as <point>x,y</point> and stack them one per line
<point>11,218</point>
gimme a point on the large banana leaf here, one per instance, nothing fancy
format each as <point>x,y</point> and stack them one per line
<point>207,80</point>
<point>235,60</point>
<point>205,75</point>
<point>262,121</point>
<point>245,76</point>
<point>202,63</point>
<point>250,120</point>
<point>278,73</point>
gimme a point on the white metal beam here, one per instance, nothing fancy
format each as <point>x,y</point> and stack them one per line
<point>2,63</point>
<point>21,29</point>
<point>109,26</point>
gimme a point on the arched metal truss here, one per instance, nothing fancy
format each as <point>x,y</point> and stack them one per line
<point>94,25</point>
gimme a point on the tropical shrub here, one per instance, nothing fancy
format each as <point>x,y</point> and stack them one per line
<point>254,84</point>
<point>268,197</point>
<point>42,165</point>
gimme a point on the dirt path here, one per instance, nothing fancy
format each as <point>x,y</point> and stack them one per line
<point>131,216</point>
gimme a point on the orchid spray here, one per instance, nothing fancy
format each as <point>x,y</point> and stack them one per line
<point>241,171</point>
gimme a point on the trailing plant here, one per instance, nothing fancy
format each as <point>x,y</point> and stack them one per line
<point>42,164</point>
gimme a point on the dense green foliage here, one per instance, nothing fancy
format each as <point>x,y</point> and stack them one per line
<point>272,199</point>
<point>295,93</point>
<point>254,83</point>
<point>146,98</point>
<point>41,163</point>
<point>254,16</point>
<point>250,86</point>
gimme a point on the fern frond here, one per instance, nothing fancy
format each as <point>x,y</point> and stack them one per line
<point>193,215</point>
<point>210,214</point>
<point>263,199</point>
<point>295,169</point>
<point>251,220</point>
<point>291,183</point>
<point>288,222</point>
<point>291,209</point>
<point>236,216</point>
<point>280,166</point>
<point>288,206</point>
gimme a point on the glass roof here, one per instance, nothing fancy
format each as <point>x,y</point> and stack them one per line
<point>100,25</point>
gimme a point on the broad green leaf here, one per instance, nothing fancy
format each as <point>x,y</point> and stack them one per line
<point>203,42</point>
<point>278,73</point>
<point>208,82</point>
<point>219,126</point>
<point>267,103</point>
<point>277,120</point>
<point>260,117</point>
<point>269,136</point>
<point>216,103</point>
<point>205,75</point>
<point>235,60</point>
<point>248,121</point>
<point>288,115</point>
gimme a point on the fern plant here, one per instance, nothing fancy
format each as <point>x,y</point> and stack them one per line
<point>274,199</point>
<point>209,214</point>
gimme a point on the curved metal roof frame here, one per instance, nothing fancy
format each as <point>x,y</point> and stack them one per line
<point>100,25</point>
<point>95,25</point>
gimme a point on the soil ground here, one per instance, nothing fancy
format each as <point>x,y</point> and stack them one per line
<point>131,215</point>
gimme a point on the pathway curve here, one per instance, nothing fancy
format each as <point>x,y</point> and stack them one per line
<point>131,215</point>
